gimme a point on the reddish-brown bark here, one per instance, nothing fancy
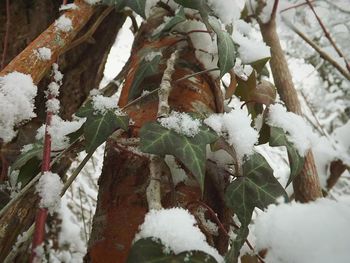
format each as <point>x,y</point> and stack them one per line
<point>122,202</point>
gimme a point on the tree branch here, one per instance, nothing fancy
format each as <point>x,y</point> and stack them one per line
<point>153,189</point>
<point>328,35</point>
<point>165,86</point>
<point>28,63</point>
<point>318,49</point>
<point>306,184</point>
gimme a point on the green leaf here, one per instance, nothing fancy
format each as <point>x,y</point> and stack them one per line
<point>259,64</point>
<point>250,91</point>
<point>226,47</point>
<point>236,245</point>
<point>256,188</point>
<point>145,69</point>
<point>99,127</point>
<point>178,18</point>
<point>28,171</point>
<point>137,5</point>
<point>191,151</point>
<point>35,152</point>
<point>296,162</point>
<point>85,110</point>
<point>148,250</point>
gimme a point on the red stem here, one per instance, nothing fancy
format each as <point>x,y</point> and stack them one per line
<point>41,215</point>
<point>6,34</point>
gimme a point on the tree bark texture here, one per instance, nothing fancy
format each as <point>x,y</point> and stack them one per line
<point>82,67</point>
<point>306,185</point>
<point>122,202</point>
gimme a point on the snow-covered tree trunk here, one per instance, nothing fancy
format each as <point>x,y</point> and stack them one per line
<point>122,199</point>
<point>306,185</point>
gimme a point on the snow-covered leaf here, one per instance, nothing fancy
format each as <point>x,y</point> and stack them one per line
<point>85,110</point>
<point>98,127</point>
<point>191,151</point>
<point>296,162</point>
<point>226,47</point>
<point>145,69</point>
<point>148,250</point>
<point>256,188</point>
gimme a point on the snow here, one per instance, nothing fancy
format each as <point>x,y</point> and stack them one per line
<point>92,2</point>
<point>182,123</point>
<point>17,93</point>
<point>250,50</point>
<point>49,189</point>
<point>59,129</point>
<point>63,24</point>
<point>179,236</point>
<point>102,104</point>
<point>151,55</point>
<point>235,126</point>
<point>305,233</point>
<point>298,132</point>
<point>227,10</point>
<point>68,7</point>
<point>177,173</point>
<point>43,53</point>
<point>53,89</point>
<point>206,50</point>
<point>57,75</point>
<point>53,105</point>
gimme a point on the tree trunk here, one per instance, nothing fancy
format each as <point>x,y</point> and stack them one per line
<point>122,202</point>
<point>82,67</point>
<point>306,185</point>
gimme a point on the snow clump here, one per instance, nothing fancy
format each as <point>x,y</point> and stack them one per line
<point>182,123</point>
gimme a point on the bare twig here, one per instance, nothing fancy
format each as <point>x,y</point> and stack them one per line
<point>153,189</point>
<point>328,35</point>
<point>165,86</point>
<point>318,49</point>
<point>88,35</point>
<point>6,34</point>
<point>295,6</point>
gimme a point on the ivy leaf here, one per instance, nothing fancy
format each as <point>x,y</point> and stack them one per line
<point>137,5</point>
<point>148,250</point>
<point>296,162</point>
<point>145,69</point>
<point>258,65</point>
<point>35,152</point>
<point>178,18</point>
<point>256,188</point>
<point>250,91</point>
<point>85,110</point>
<point>226,47</point>
<point>236,245</point>
<point>99,127</point>
<point>28,171</point>
<point>191,151</point>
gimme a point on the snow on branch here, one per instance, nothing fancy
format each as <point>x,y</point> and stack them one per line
<point>52,38</point>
